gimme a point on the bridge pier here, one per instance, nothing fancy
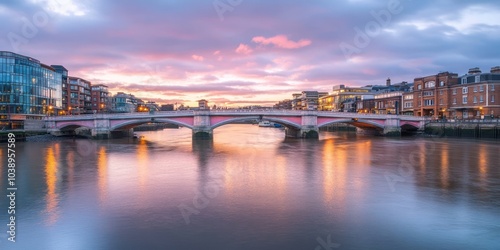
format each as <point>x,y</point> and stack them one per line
<point>309,128</point>
<point>202,133</point>
<point>392,127</point>
<point>202,128</point>
<point>100,134</point>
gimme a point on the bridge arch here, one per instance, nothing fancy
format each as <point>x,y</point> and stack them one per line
<point>284,122</point>
<point>72,127</point>
<point>135,123</point>
<point>359,123</point>
<point>232,120</point>
<point>255,117</point>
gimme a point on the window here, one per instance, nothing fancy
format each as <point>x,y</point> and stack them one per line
<point>475,100</point>
<point>465,90</point>
<point>430,84</point>
<point>481,99</point>
<point>464,80</point>
<point>428,102</point>
<point>464,99</point>
<point>419,86</point>
<point>465,114</point>
<point>454,100</point>
<point>441,83</point>
<point>475,88</point>
<point>492,98</point>
<point>419,103</point>
<point>454,91</point>
<point>492,87</point>
<point>428,93</point>
<point>481,88</point>
<point>441,101</point>
<point>408,104</point>
<point>441,92</point>
<point>478,78</point>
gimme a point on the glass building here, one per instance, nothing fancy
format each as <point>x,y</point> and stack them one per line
<point>28,86</point>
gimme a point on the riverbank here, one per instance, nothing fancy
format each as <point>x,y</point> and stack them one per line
<point>464,129</point>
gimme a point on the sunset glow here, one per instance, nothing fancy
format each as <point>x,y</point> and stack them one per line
<point>259,52</point>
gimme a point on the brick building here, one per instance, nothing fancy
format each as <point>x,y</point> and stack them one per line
<point>430,94</point>
<point>100,98</point>
<point>78,97</point>
<point>475,96</point>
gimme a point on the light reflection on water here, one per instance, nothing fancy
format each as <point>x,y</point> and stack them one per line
<point>250,188</point>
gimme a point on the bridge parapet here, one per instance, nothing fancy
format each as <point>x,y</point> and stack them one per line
<point>298,123</point>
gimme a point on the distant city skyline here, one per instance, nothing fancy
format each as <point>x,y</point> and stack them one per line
<point>239,53</point>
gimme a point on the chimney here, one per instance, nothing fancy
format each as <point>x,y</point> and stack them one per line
<point>475,70</point>
<point>495,70</point>
<point>388,82</point>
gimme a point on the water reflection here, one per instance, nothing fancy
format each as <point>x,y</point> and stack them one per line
<point>70,165</point>
<point>51,179</point>
<point>483,165</point>
<point>445,164</point>
<point>102,173</point>
<point>272,193</point>
<point>142,164</point>
<point>329,176</point>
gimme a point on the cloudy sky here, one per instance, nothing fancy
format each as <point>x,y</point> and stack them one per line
<point>240,52</point>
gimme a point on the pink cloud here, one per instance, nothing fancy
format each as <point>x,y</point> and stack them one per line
<point>198,58</point>
<point>243,49</point>
<point>281,41</point>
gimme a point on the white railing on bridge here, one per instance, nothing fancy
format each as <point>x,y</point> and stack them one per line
<point>232,112</point>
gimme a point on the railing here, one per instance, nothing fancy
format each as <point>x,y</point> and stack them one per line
<point>234,111</point>
<point>466,121</point>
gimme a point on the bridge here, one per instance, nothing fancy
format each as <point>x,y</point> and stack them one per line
<point>302,124</point>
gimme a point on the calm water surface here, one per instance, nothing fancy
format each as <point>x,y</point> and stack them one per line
<point>250,188</point>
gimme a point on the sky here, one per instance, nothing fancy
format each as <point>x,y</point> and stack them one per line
<point>251,52</point>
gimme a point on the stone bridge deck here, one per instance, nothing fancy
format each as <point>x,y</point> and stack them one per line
<point>203,122</point>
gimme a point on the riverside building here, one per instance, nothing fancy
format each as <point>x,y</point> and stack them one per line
<point>29,89</point>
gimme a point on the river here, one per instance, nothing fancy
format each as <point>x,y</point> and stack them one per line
<point>250,188</point>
